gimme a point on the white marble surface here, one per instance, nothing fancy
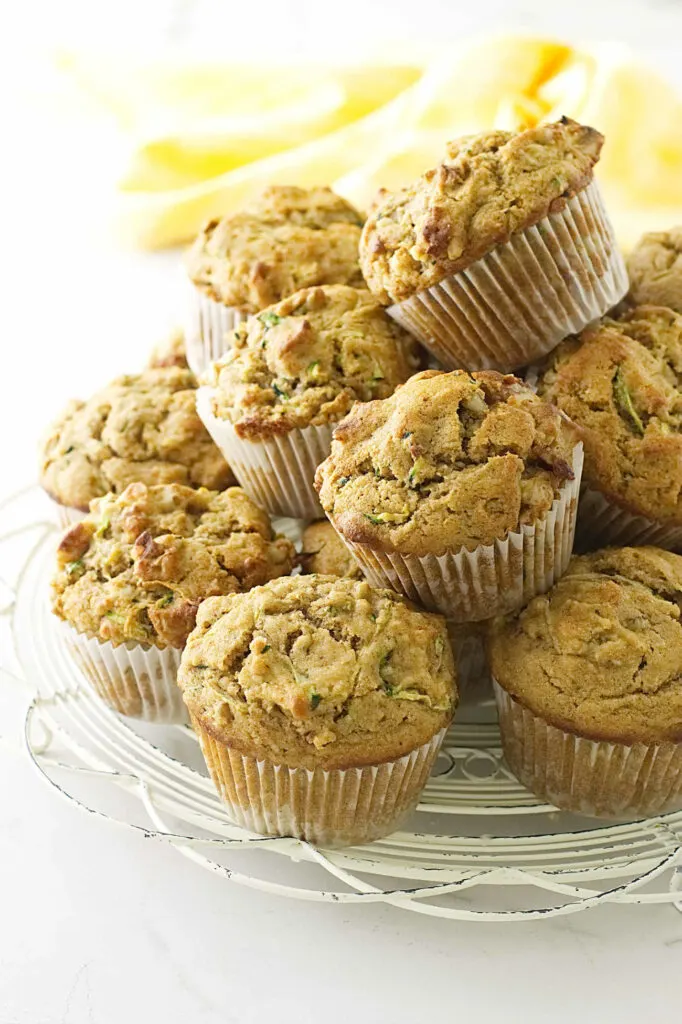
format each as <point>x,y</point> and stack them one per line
<point>97,925</point>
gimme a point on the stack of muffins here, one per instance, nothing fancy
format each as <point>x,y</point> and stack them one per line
<point>437,507</point>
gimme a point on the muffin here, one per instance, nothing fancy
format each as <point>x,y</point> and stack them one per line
<point>325,553</point>
<point>169,352</point>
<point>494,256</point>
<point>132,573</point>
<point>589,685</point>
<point>620,383</point>
<point>293,371</point>
<point>655,269</point>
<point>285,240</point>
<point>460,491</point>
<point>320,705</point>
<point>141,427</point>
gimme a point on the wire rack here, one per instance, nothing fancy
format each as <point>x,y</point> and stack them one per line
<point>479,846</point>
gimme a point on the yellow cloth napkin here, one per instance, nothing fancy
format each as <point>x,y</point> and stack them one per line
<point>198,140</point>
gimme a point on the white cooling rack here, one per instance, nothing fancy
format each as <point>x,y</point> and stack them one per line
<point>479,847</point>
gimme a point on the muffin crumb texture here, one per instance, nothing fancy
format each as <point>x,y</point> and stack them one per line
<point>621,384</point>
<point>137,567</point>
<point>600,655</point>
<point>307,359</point>
<point>655,269</point>
<point>325,553</point>
<point>142,427</point>
<point>451,460</point>
<point>316,671</point>
<point>286,239</point>
<point>487,188</point>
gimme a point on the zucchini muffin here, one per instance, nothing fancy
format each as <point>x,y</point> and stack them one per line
<point>621,384</point>
<point>286,239</point>
<point>499,252</point>
<point>141,427</point>
<point>131,575</point>
<point>320,705</point>
<point>589,685</point>
<point>170,352</point>
<point>655,269</point>
<point>293,371</point>
<point>460,491</point>
<point>325,553</point>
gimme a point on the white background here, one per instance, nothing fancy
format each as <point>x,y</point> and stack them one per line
<point>98,925</point>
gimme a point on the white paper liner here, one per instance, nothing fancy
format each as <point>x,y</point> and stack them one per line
<point>207,331</point>
<point>602,523</point>
<point>133,679</point>
<point>597,778</point>
<point>278,472</point>
<point>520,300</point>
<point>341,807</point>
<point>493,579</point>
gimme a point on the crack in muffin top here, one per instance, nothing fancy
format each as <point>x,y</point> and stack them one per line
<point>314,671</point>
<point>487,188</point>
<point>140,427</point>
<point>286,239</point>
<point>621,384</point>
<point>137,567</point>
<point>451,460</point>
<point>601,654</point>
<point>307,359</point>
<point>655,269</point>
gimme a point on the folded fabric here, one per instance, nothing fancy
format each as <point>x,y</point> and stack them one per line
<point>198,140</point>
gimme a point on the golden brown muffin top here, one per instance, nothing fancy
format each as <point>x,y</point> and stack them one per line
<point>488,187</point>
<point>325,553</point>
<point>621,384</point>
<point>451,460</point>
<point>137,567</point>
<point>140,427</point>
<point>286,239</point>
<point>600,655</point>
<point>318,671</point>
<point>307,359</point>
<point>655,269</point>
<point>170,352</point>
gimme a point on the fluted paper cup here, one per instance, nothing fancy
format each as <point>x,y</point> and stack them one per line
<point>602,523</point>
<point>277,472</point>
<point>208,328</point>
<point>341,807</point>
<point>593,777</point>
<point>493,579</point>
<point>520,300</point>
<point>136,680</point>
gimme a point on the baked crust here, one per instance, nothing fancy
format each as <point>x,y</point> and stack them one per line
<point>621,384</point>
<point>318,671</point>
<point>138,566</point>
<point>655,269</point>
<point>288,238</point>
<point>140,427</point>
<point>600,655</point>
<point>307,359</point>
<point>487,188</point>
<point>451,460</point>
<point>325,553</point>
